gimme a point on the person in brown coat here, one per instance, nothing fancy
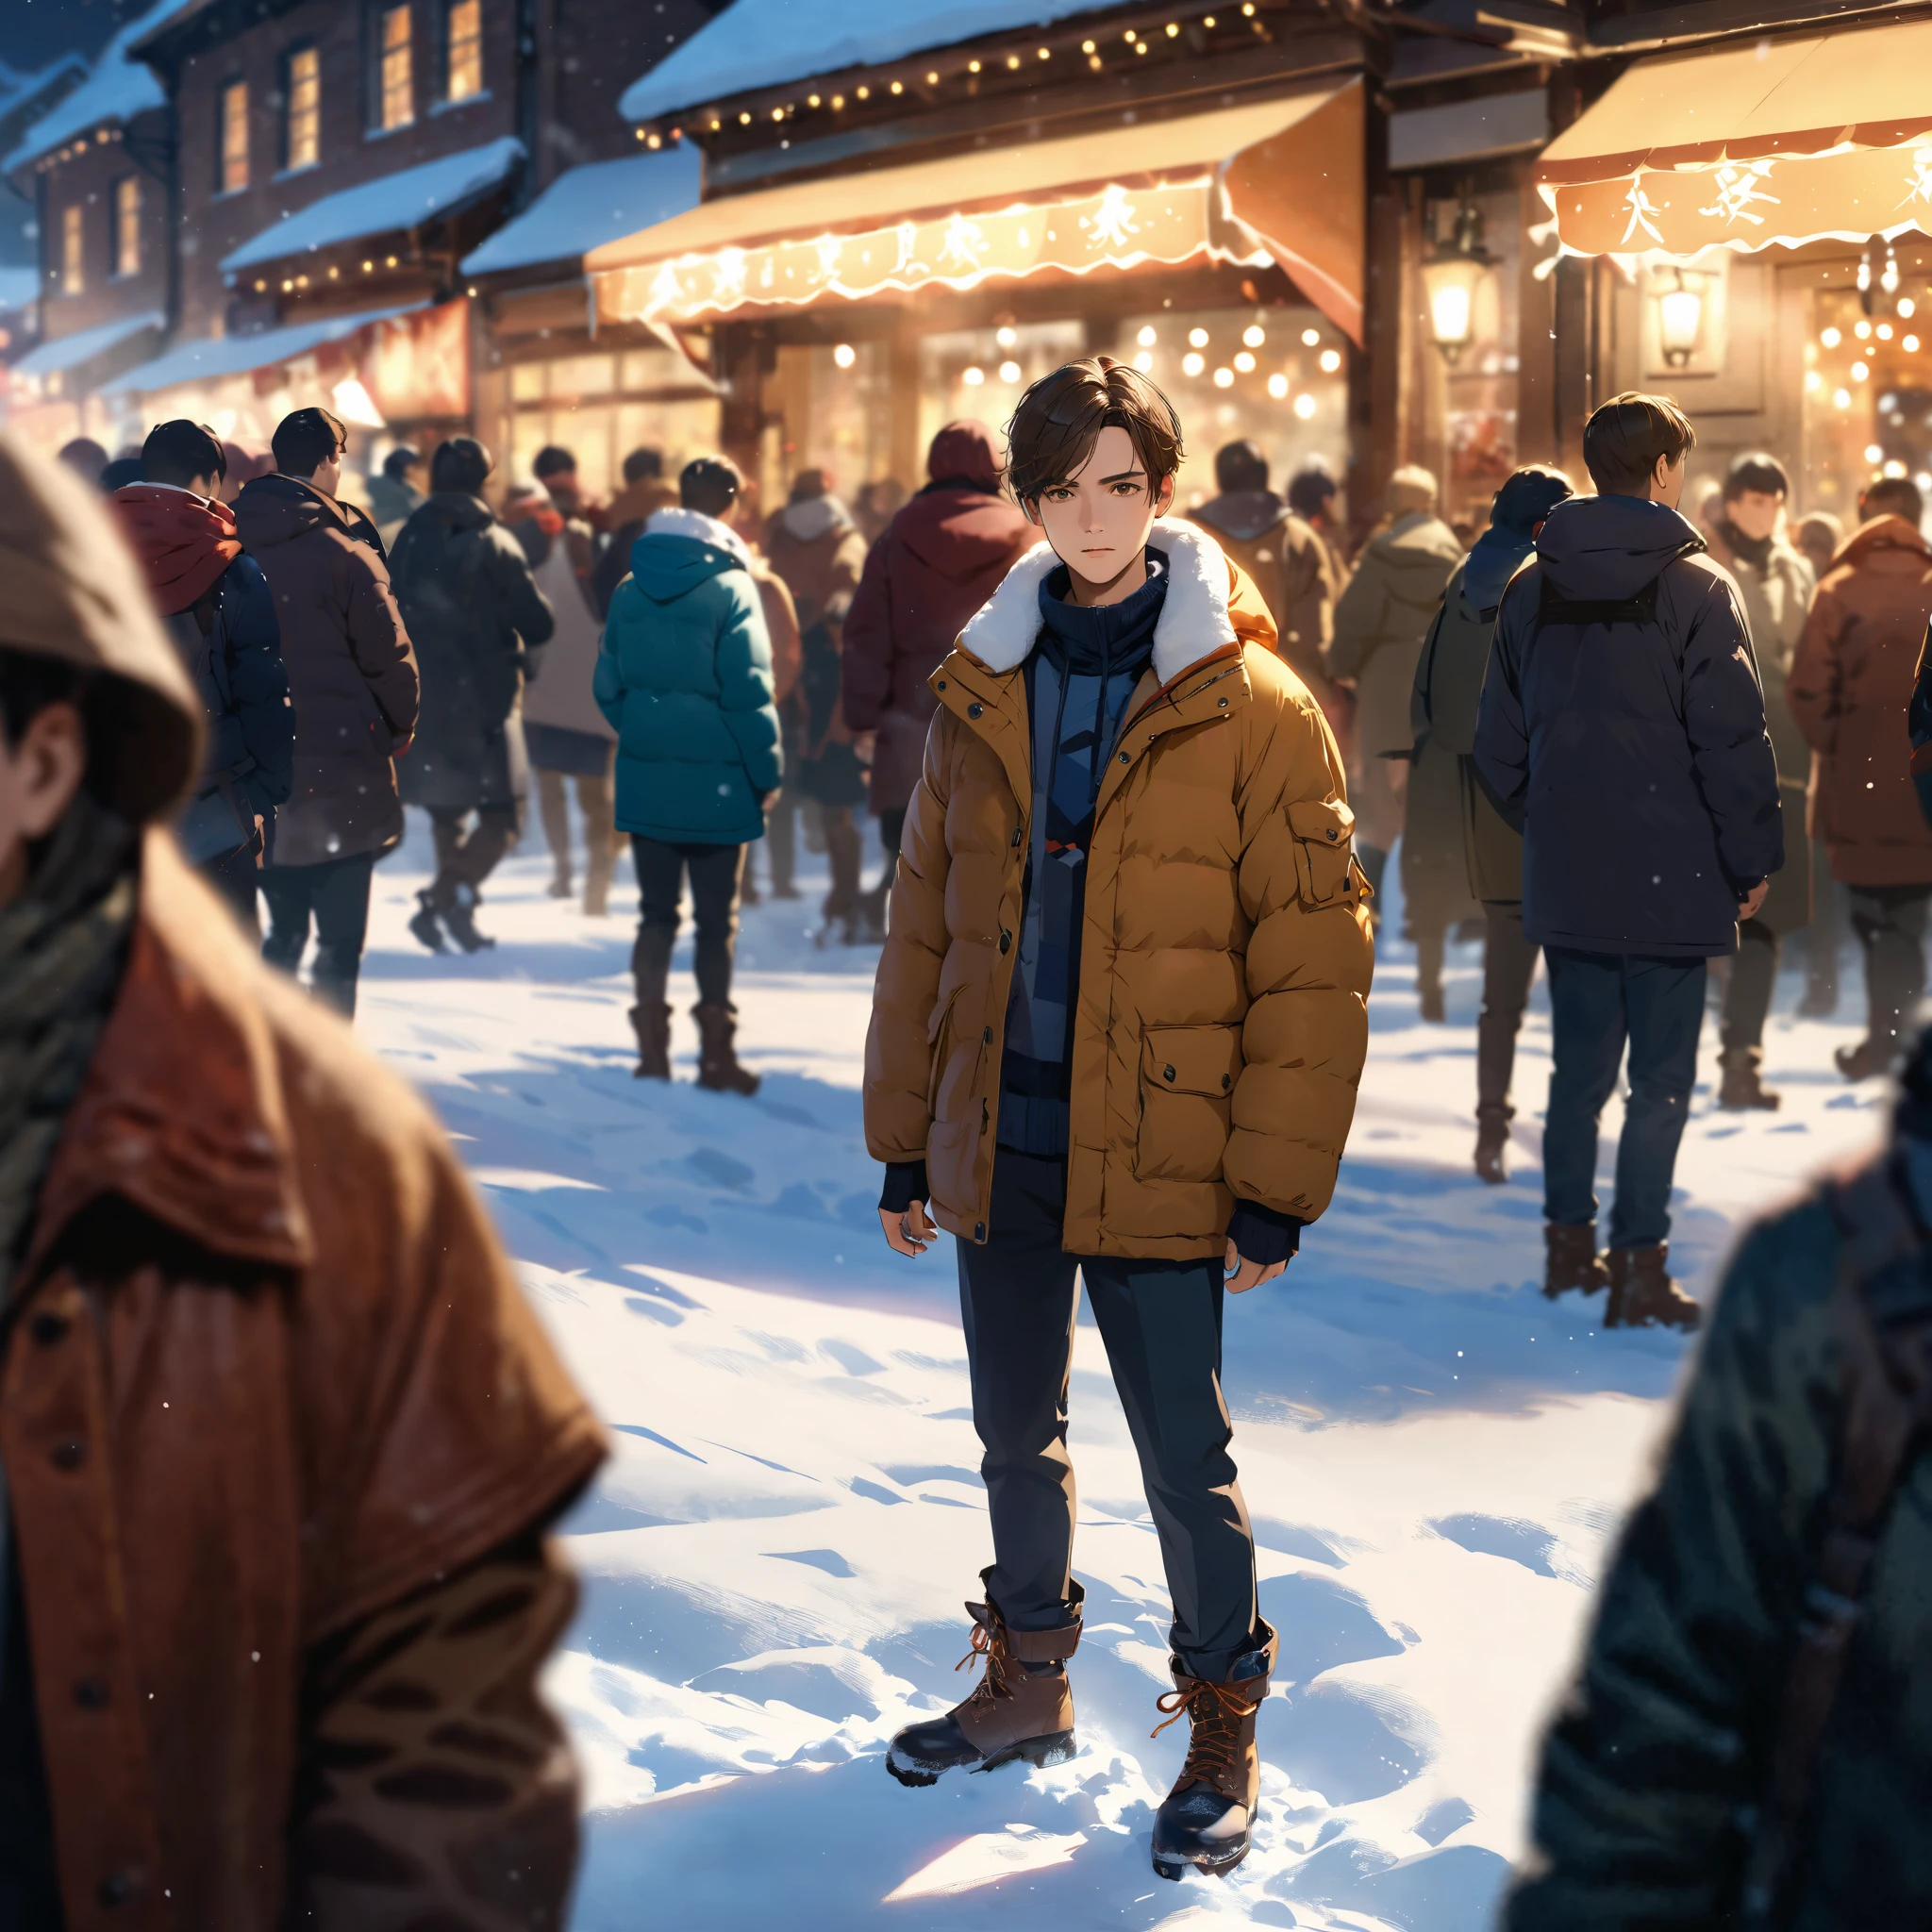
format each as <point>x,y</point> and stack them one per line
<point>1118,1025</point>
<point>282,1437</point>
<point>351,679</point>
<point>1849,686</point>
<point>815,547</point>
<point>937,560</point>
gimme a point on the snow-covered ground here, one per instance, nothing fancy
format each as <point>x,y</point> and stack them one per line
<point>775,1560</point>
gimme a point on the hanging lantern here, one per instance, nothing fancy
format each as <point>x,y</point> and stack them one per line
<point>1679,321</point>
<point>1450,278</point>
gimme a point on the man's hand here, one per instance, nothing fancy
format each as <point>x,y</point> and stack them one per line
<point>1748,906</point>
<point>909,1233</point>
<point>1243,1274</point>
<point>863,743</point>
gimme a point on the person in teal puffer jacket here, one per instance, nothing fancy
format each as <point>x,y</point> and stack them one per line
<point>684,674</point>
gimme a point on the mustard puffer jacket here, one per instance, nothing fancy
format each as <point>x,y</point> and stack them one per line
<point>1225,960</point>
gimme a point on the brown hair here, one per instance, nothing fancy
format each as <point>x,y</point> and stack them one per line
<point>1626,436</point>
<point>1059,420</point>
<point>1891,496</point>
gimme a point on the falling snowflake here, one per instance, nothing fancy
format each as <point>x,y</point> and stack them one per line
<point>1114,219</point>
<point>965,243</point>
<point>1641,208</point>
<point>1738,191</point>
<point>1919,183</point>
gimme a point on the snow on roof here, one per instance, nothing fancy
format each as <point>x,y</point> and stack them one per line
<point>213,356</point>
<point>757,43</point>
<point>384,205</point>
<point>69,352</point>
<point>18,286</point>
<point>591,205</point>
<point>118,89</point>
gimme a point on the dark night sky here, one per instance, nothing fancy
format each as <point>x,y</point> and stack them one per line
<point>32,32</point>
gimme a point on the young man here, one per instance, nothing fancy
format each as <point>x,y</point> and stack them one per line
<point>394,497</point>
<point>282,1437</point>
<point>1448,695</point>
<point>474,615</point>
<point>1776,585</point>
<point>684,676</point>
<point>223,621</point>
<point>1622,728</point>
<point>1119,1022</point>
<point>1848,689</point>
<point>353,677</point>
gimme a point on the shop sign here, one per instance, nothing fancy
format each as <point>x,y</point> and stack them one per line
<point>418,364</point>
<point>1118,227</point>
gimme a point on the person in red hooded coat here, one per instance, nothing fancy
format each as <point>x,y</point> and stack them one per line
<point>939,559</point>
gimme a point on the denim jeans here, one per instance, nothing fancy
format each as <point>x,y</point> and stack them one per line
<point>1598,1002</point>
<point>335,895</point>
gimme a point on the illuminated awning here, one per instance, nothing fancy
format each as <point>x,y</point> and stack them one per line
<point>1825,137</point>
<point>1276,180</point>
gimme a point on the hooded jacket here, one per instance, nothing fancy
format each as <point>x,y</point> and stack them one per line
<point>275,1417</point>
<point>352,673</point>
<point>1221,1022</point>
<point>471,609</point>
<point>630,509</point>
<point>684,676</point>
<point>1290,568</point>
<point>1851,681</point>
<point>197,573</point>
<point>937,560</point>
<point>1632,753</point>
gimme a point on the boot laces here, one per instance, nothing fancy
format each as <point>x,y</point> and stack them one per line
<point>1215,1713</point>
<point>990,1644</point>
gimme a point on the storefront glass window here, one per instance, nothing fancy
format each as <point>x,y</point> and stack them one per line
<point>396,72</point>
<point>602,407</point>
<point>835,403</point>
<point>984,372</point>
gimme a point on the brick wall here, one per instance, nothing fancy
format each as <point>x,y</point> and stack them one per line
<point>592,51</point>
<point>87,182</point>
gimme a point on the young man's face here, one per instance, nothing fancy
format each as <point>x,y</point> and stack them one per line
<point>1756,511</point>
<point>1097,521</point>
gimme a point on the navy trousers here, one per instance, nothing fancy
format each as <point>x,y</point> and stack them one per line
<point>1599,1002</point>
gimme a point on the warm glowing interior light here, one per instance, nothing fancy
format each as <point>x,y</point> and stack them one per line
<point>1813,380</point>
<point>1244,362</point>
<point>973,377</point>
<point>864,94</point>
<point>1873,453</point>
<point>1331,360</point>
<point>1144,361</point>
<point>1172,29</point>
<point>1012,60</point>
<point>898,86</point>
<point>1197,339</point>
<point>1911,345</point>
<point>1007,337</point>
<point>972,67</point>
<point>1305,405</point>
<point>1830,337</point>
<point>1843,398</point>
<point>845,355</point>
<point>932,80</point>
<point>1310,337</point>
<point>1223,379</point>
<point>1253,335</point>
<point>1277,385</point>
<point>1679,317</point>
<point>1009,372</point>
<point>1087,46</point>
<point>1904,307</point>
<point>837,101</point>
<point>1862,330</point>
<point>1192,364</point>
<point>1147,338</point>
<point>1860,371</point>
<point>811,100</point>
<point>1884,331</point>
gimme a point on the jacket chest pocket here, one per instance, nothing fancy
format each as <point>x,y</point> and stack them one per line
<point>1324,846</point>
<point>953,1079</point>
<point>1187,1090</point>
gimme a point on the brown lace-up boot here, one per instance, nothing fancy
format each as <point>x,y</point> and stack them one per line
<point>1643,1296</point>
<point>1570,1259</point>
<point>1742,1090</point>
<point>1208,1820</point>
<point>718,1067</point>
<point>652,1025</point>
<point>1013,1712</point>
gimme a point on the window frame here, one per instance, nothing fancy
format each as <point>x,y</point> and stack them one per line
<point>447,98</point>
<point>380,13</point>
<point>125,250</point>
<point>224,128</point>
<point>289,164</point>
<point>73,248</point>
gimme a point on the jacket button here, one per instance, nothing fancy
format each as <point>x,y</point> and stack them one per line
<point>1124,758</point>
<point>979,1230</point>
<point>1222,702</point>
<point>940,686</point>
<point>90,1694</point>
<point>987,1035</point>
<point>974,710</point>
<point>70,1454</point>
<point>1331,836</point>
<point>1005,941</point>
<point>1167,1073</point>
<point>47,1329</point>
<point>115,1889</point>
<point>1226,1081</point>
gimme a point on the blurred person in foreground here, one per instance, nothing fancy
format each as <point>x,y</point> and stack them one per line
<point>1118,1026</point>
<point>1622,728</point>
<point>218,612</point>
<point>1749,1739</point>
<point>1776,584</point>
<point>394,497</point>
<point>1447,698</point>
<point>475,617</point>
<point>84,458</point>
<point>813,545</point>
<point>1380,623</point>
<point>352,677</point>
<point>282,1437</point>
<point>937,560</point>
<point>1848,689</point>
<point>1286,561</point>
<point>684,676</point>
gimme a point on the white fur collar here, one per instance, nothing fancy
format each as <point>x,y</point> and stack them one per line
<point>1193,621</point>
<point>695,523</point>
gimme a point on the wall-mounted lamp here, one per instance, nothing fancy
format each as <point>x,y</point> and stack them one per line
<point>1679,320</point>
<point>1450,277</point>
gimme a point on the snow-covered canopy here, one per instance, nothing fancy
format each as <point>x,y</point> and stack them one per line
<point>591,205</point>
<point>758,43</point>
<point>70,352</point>
<point>215,355</point>
<point>118,89</point>
<point>383,206</point>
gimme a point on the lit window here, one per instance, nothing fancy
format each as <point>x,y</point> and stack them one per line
<point>463,49</point>
<point>304,143</point>
<point>127,226</point>
<point>397,107</point>
<point>73,250</point>
<point>234,137</point>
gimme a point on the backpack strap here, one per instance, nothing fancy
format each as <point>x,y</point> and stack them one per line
<point>1886,1320</point>
<point>1641,608</point>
